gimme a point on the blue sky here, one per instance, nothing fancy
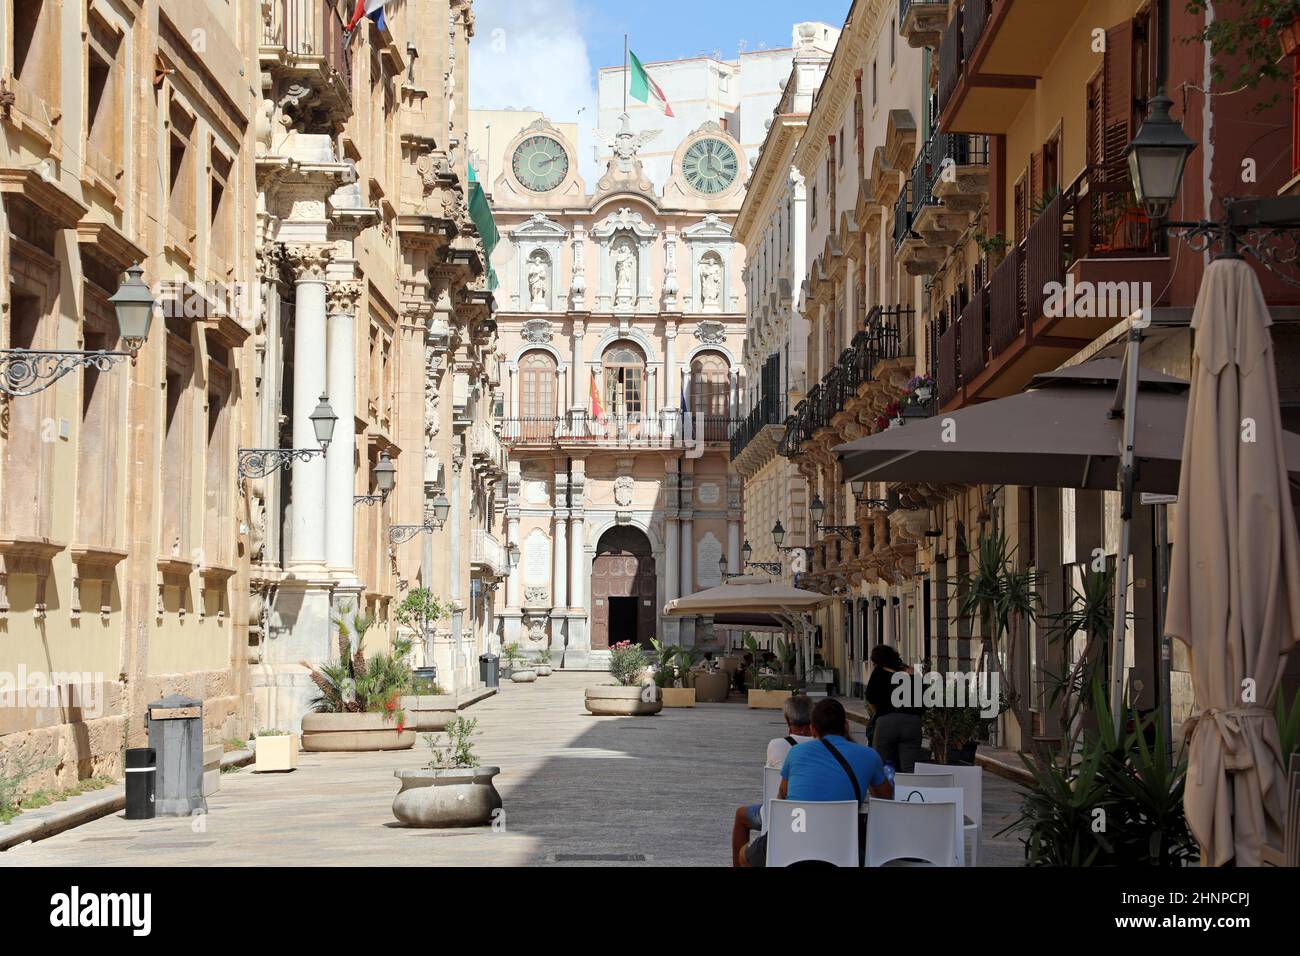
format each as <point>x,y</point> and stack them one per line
<point>670,29</point>
<point>543,54</point>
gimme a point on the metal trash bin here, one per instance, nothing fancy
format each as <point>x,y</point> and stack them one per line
<point>141,776</point>
<point>489,670</point>
<point>176,735</point>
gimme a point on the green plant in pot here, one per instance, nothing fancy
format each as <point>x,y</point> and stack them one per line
<point>627,662</point>
<point>356,683</point>
<point>521,672</point>
<point>954,733</point>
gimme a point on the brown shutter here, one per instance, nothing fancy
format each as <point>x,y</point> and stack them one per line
<point>1117,101</point>
<point>1036,179</point>
<point>1022,208</point>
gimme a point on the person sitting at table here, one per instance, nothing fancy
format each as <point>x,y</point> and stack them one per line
<point>830,767</point>
<point>745,664</point>
<point>896,733</point>
<point>798,721</point>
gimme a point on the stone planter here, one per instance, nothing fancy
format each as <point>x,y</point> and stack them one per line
<point>617,701</point>
<point>768,699</point>
<point>523,676</point>
<point>428,712</point>
<point>543,670</point>
<point>350,733</point>
<point>277,753</point>
<point>447,798</point>
<point>678,696</point>
<point>712,687</point>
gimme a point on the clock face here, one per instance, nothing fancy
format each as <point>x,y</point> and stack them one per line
<point>540,163</point>
<point>710,165</point>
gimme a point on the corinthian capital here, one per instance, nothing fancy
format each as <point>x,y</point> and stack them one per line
<point>308,262</point>
<point>342,297</point>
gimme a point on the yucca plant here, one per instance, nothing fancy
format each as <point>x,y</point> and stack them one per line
<point>1091,612</point>
<point>1001,597</point>
<point>353,683</point>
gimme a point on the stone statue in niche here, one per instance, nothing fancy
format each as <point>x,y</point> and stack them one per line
<point>538,276</point>
<point>711,282</point>
<point>624,273</point>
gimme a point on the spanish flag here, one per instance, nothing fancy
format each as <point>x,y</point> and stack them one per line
<point>597,410</point>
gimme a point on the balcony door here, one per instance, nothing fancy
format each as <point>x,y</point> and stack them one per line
<point>537,383</point>
<point>710,396</point>
<point>625,380</point>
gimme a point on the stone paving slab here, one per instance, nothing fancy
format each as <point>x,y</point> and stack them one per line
<point>578,791</point>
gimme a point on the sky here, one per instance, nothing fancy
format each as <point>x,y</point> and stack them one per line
<point>543,54</point>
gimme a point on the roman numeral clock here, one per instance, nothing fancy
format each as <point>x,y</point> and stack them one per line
<point>710,165</point>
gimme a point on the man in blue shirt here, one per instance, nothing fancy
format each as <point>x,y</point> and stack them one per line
<point>818,770</point>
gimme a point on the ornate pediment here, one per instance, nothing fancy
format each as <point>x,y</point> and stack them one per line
<point>539,226</point>
<point>625,219</point>
<point>710,227</point>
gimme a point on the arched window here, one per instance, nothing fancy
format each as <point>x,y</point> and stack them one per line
<point>537,382</point>
<point>711,394</point>
<point>624,366</point>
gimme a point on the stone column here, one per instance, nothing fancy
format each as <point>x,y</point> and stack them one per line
<point>560,559</point>
<point>340,469</point>
<point>576,383</point>
<point>577,538</point>
<point>733,544</point>
<point>307,547</point>
<point>515,582</point>
<point>670,366</point>
<point>734,403</point>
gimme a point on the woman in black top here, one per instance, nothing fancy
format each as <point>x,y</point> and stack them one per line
<point>896,731</point>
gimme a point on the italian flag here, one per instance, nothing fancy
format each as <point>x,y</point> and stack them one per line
<point>597,411</point>
<point>647,90</point>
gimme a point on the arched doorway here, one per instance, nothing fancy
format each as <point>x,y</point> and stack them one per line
<point>623,591</point>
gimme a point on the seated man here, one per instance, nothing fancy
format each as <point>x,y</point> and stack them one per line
<point>798,720</point>
<point>813,772</point>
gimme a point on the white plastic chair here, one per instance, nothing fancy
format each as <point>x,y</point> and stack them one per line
<point>826,831</point>
<point>771,787</point>
<point>971,781</point>
<point>939,795</point>
<point>901,833</point>
<point>924,780</point>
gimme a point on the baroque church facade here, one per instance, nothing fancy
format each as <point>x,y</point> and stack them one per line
<point>621,325</point>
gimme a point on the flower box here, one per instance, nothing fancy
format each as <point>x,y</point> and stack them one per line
<point>277,753</point>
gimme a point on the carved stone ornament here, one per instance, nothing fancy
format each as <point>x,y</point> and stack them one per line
<point>342,298</point>
<point>537,331</point>
<point>710,332</point>
<point>308,262</point>
<point>537,596</point>
<point>623,488</point>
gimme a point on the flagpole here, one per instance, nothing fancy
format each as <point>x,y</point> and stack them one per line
<point>626,77</point>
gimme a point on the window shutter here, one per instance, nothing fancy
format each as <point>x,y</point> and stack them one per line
<point>1117,101</point>
<point>1096,131</point>
<point>1036,178</point>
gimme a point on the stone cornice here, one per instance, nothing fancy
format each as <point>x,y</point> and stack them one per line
<point>771,174</point>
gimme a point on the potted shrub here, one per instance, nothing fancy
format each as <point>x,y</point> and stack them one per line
<point>954,734</point>
<point>920,389</point>
<point>359,705</point>
<point>276,751</point>
<point>521,672</point>
<point>629,697</point>
<point>672,676</point>
<point>543,663</point>
<point>427,706</point>
<point>452,790</point>
<point>764,685</point>
<point>419,611</point>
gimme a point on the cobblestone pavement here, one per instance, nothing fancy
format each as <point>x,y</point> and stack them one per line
<point>578,790</point>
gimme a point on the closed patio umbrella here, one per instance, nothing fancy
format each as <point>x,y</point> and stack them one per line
<point>1234,588</point>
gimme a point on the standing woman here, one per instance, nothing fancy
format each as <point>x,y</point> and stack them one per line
<point>897,730</point>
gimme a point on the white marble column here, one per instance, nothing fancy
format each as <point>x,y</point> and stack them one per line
<point>308,544</point>
<point>688,555</point>
<point>673,557</point>
<point>515,582</point>
<point>575,380</point>
<point>670,368</point>
<point>577,576</point>
<point>340,460</point>
<point>733,545</point>
<point>733,405</point>
<point>512,397</point>
<point>560,560</point>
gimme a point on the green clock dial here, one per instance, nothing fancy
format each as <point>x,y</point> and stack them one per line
<point>540,163</point>
<point>710,165</point>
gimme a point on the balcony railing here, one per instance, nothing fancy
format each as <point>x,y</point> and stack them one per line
<point>486,552</point>
<point>903,214</point>
<point>942,149</point>
<point>950,59</point>
<point>974,334</point>
<point>905,5</point>
<point>880,340</point>
<point>1106,218</point>
<point>310,29</point>
<point>769,411</point>
<point>617,431</point>
<point>974,18</point>
<point>1006,317</point>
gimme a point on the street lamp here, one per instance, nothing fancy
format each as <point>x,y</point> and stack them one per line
<point>1157,157</point>
<point>817,509</point>
<point>260,462</point>
<point>512,555</point>
<point>385,473</point>
<point>770,567</point>
<point>28,371</point>
<point>434,519</point>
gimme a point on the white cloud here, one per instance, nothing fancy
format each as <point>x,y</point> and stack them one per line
<point>530,54</point>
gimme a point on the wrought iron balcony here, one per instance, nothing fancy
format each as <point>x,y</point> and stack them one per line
<point>769,412</point>
<point>921,22</point>
<point>616,431</point>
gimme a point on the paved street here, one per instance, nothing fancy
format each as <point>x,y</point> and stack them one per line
<point>577,789</point>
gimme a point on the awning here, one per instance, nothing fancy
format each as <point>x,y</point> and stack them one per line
<point>1058,434</point>
<point>750,595</point>
<point>480,212</point>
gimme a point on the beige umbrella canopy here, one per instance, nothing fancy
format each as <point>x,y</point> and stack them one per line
<point>1234,587</point>
<point>754,601</point>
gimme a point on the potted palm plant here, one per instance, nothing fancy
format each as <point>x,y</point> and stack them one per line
<point>359,705</point>
<point>521,672</point>
<point>543,663</point>
<point>765,690</point>
<point>629,697</point>
<point>672,676</point>
<point>452,790</point>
